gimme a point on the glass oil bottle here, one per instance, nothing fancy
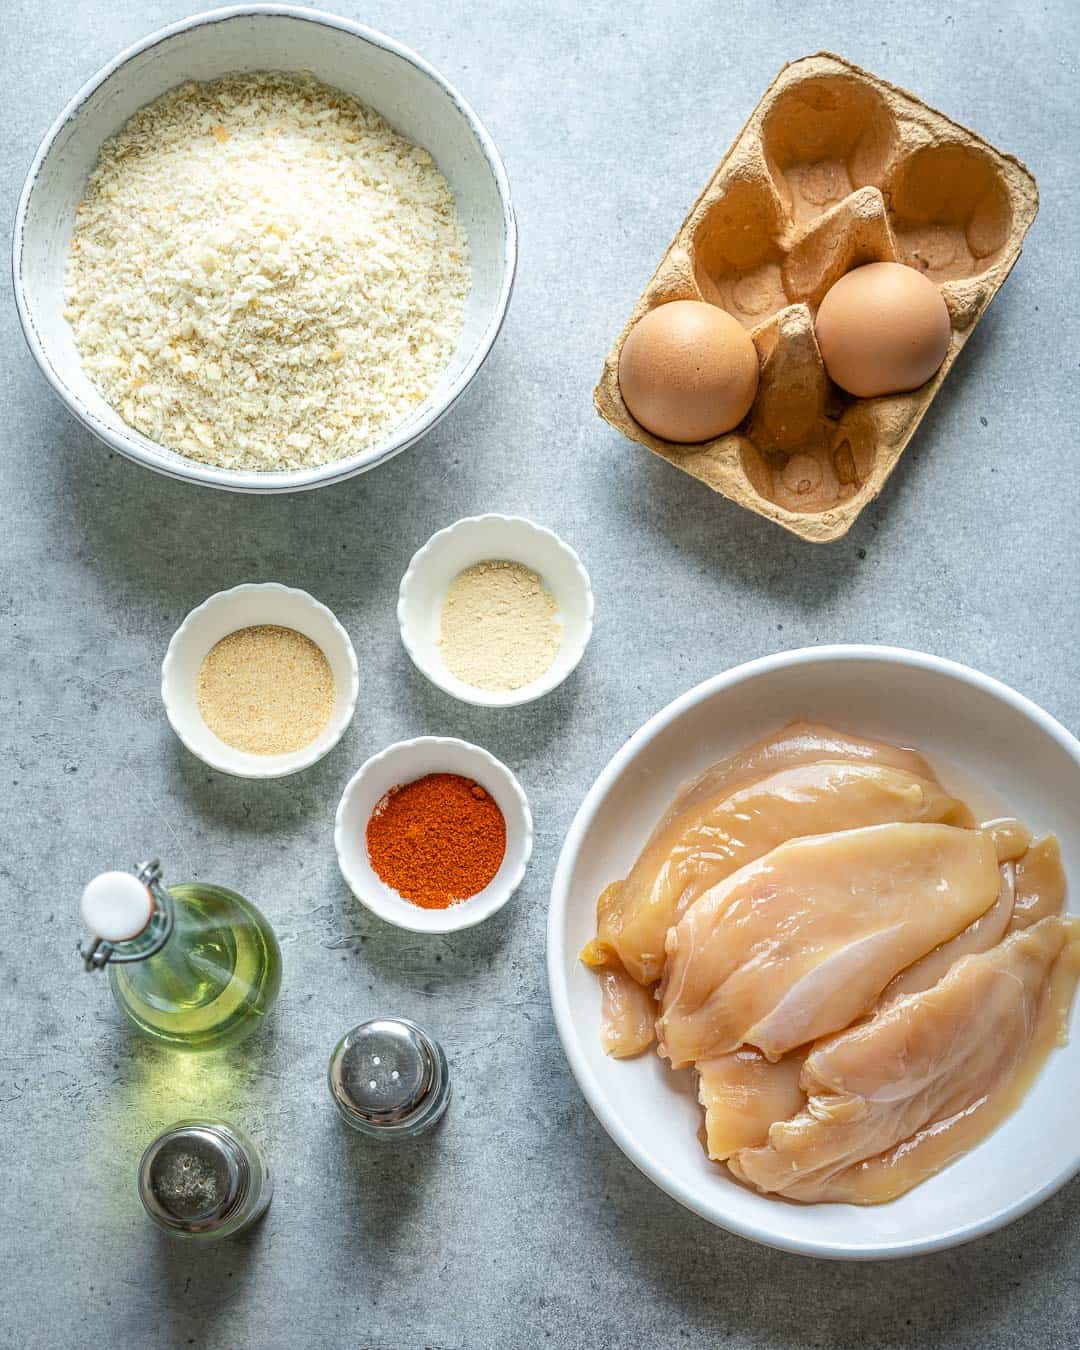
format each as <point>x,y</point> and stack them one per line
<point>192,966</point>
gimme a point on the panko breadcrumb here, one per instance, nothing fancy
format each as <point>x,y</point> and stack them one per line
<point>264,274</point>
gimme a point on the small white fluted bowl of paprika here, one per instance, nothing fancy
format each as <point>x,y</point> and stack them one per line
<point>433,834</point>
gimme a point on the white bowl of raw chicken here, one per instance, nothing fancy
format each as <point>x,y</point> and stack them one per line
<point>988,744</point>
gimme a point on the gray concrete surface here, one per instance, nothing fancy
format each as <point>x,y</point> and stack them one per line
<point>519,1224</point>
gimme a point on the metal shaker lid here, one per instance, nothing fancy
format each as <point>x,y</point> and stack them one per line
<point>193,1178</point>
<point>386,1075</point>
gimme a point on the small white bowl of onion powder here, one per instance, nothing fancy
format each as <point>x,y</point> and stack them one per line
<point>260,681</point>
<point>496,610</point>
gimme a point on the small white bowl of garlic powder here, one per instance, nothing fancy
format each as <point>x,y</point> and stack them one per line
<point>260,681</point>
<point>495,610</point>
<point>264,249</point>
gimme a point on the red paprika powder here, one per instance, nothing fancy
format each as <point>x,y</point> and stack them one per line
<point>436,840</point>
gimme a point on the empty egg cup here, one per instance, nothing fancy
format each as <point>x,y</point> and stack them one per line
<point>403,763</point>
<point>479,539</point>
<point>244,607</point>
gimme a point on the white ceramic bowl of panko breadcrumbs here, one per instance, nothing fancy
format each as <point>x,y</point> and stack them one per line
<point>264,249</point>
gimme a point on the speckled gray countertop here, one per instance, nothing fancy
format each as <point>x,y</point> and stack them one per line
<point>519,1223</point>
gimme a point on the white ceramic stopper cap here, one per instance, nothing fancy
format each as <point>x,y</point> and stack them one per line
<point>116,906</point>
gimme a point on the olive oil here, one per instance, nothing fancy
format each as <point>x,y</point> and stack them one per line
<point>201,970</point>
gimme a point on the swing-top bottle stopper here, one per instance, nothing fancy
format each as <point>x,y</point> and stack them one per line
<point>128,915</point>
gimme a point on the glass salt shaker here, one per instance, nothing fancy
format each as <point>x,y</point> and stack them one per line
<point>389,1079</point>
<point>204,1179</point>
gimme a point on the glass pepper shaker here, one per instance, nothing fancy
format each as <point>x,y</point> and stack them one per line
<point>204,1179</point>
<point>389,1079</point>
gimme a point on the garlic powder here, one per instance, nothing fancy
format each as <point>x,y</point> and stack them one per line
<point>264,274</point>
<point>500,627</point>
<point>267,690</point>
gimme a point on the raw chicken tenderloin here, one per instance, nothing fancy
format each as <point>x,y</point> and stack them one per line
<point>892,1173</point>
<point>799,742</point>
<point>743,1095</point>
<point>803,941</point>
<point>627,1013</point>
<point>1011,837</point>
<point>896,1098</point>
<point>750,822</point>
<point>986,932</point>
<point>1040,884</point>
<point>1031,889</point>
<point>649,900</point>
<point>723,834</point>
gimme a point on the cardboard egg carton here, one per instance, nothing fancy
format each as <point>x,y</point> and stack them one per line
<point>835,168</point>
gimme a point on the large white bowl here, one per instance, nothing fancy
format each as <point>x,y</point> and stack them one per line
<point>408,92</point>
<point>975,731</point>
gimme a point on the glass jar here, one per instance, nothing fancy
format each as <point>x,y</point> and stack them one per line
<point>204,1179</point>
<point>389,1079</point>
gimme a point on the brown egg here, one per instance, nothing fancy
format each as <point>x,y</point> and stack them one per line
<point>882,328</point>
<point>688,371</point>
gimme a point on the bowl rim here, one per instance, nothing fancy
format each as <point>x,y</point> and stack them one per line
<point>657,1172</point>
<point>141,449</point>
<point>543,684</point>
<point>308,755</point>
<point>463,916</point>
